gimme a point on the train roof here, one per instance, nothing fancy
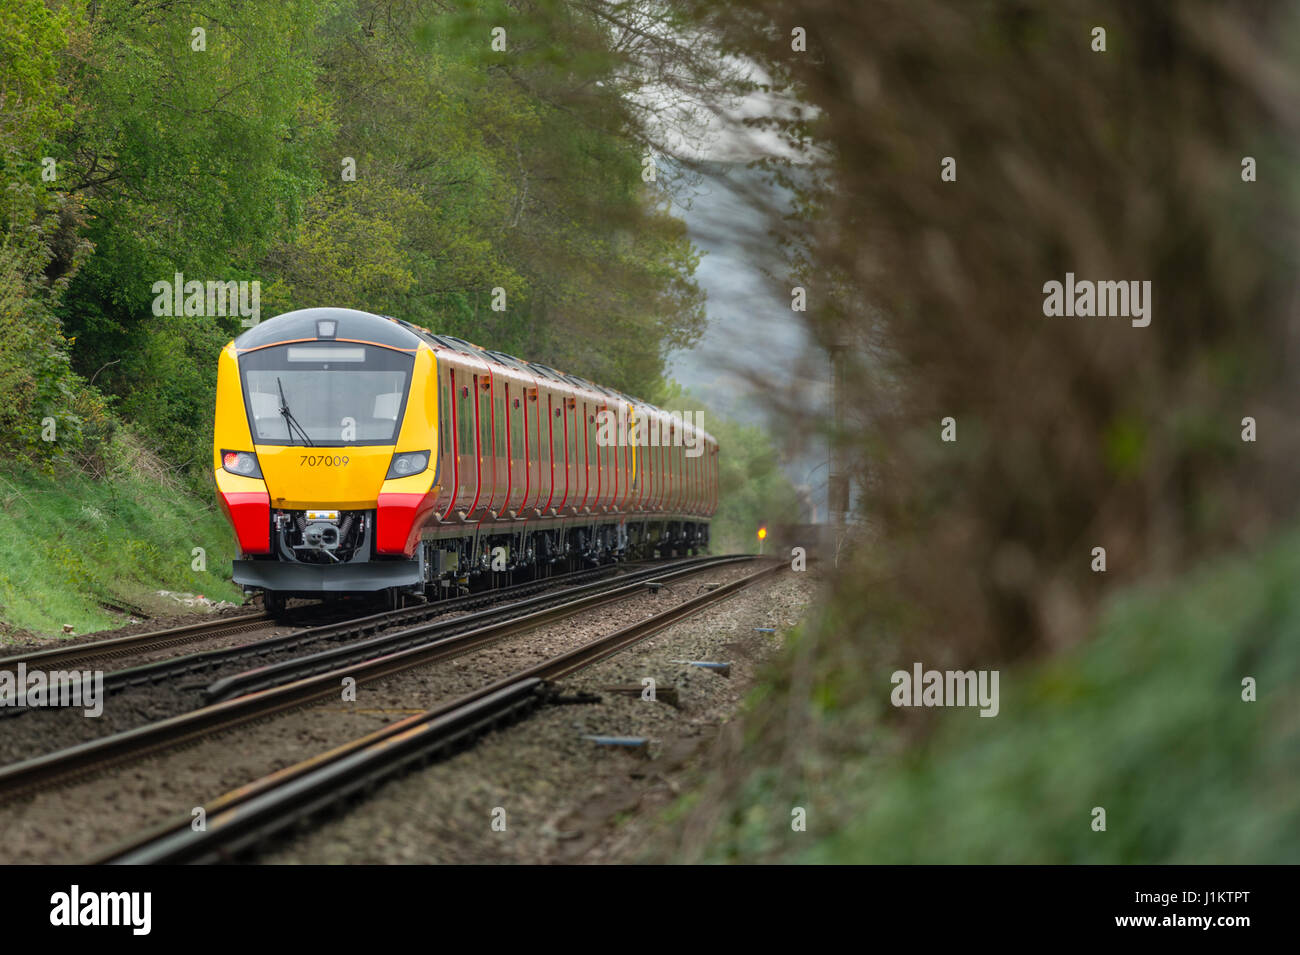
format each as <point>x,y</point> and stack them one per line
<point>349,325</point>
<point>358,326</point>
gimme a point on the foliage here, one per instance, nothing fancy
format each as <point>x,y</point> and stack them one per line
<point>1146,720</point>
<point>192,161</point>
<point>222,155</point>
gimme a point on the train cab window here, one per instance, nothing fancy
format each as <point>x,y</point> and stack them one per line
<point>330,394</point>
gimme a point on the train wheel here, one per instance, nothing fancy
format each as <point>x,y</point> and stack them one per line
<point>274,603</point>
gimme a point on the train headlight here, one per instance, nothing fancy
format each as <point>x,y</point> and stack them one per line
<point>241,462</point>
<point>407,463</point>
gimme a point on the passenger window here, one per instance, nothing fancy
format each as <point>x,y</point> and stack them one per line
<point>573,437</point>
<point>557,438</point>
<point>534,439</point>
<point>517,443</point>
<point>501,428</point>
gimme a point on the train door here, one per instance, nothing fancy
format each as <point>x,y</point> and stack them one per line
<point>463,384</point>
<point>653,470</point>
<point>684,502</point>
<point>612,455</point>
<point>486,442</point>
<point>586,420</point>
<point>538,450</point>
<point>516,447</point>
<point>662,476</point>
<point>448,462</point>
<point>600,494</point>
<point>604,465</point>
<point>571,437</point>
<point>670,467</point>
<point>639,458</point>
<point>675,456</point>
<point>693,475</point>
<point>500,452</point>
<point>629,456</point>
<point>482,402</point>
<point>715,477</point>
<point>560,484</point>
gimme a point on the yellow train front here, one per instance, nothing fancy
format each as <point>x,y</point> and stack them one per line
<point>355,453</point>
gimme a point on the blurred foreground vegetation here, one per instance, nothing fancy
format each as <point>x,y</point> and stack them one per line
<point>1145,720</point>
<point>1112,141</point>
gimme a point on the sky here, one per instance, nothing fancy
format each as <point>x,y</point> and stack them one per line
<point>752,329</point>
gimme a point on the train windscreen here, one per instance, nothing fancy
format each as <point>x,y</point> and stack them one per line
<point>331,394</point>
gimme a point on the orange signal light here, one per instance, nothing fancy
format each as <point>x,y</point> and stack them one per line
<point>762,533</point>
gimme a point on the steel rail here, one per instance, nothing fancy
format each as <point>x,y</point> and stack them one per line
<point>136,642</point>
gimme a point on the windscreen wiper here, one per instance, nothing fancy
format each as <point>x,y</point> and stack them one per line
<point>290,422</point>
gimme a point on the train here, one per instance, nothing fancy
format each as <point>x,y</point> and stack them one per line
<point>360,454</point>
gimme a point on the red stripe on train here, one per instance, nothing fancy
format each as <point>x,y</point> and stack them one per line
<point>250,515</point>
<point>398,521</point>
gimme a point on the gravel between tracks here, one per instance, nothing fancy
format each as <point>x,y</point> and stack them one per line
<point>70,823</point>
<point>567,799</point>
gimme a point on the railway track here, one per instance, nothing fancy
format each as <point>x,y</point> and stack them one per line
<point>528,613</point>
<point>133,644</point>
<point>210,660</point>
<point>115,647</point>
<point>251,815</point>
<point>319,676</point>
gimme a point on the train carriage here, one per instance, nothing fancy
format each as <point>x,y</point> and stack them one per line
<point>356,453</point>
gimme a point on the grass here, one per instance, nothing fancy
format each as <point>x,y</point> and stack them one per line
<point>72,541</point>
